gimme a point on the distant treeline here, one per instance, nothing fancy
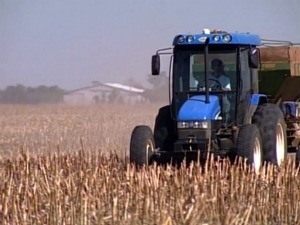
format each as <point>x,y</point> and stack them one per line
<point>20,94</point>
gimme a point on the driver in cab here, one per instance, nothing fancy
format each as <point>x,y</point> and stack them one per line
<point>218,77</point>
<point>218,81</point>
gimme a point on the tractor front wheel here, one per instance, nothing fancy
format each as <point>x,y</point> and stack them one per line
<point>249,146</point>
<point>141,145</point>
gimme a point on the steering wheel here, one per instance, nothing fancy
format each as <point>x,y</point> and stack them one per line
<point>217,87</point>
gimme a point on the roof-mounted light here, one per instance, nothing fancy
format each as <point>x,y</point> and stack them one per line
<point>202,39</point>
<point>190,38</point>
<point>216,38</point>
<point>180,39</point>
<point>227,37</point>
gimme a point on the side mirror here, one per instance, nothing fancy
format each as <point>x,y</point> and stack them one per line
<point>253,58</point>
<point>155,64</point>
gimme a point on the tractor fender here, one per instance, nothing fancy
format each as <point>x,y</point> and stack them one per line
<point>164,128</point>
<point>254,101</point>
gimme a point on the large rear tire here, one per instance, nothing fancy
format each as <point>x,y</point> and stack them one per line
<point>249,146</point>
<point>141,145</point>
<point>270,121</point>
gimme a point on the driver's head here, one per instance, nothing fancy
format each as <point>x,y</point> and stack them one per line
<point>217,66</point>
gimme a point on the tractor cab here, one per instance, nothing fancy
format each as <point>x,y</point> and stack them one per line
<point>212,75</point>
<point>190,85</point>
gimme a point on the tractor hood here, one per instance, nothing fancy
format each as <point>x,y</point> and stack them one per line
<point>195,108</point>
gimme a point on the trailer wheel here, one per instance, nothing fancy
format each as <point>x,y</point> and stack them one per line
<point>270,121</point>
<point>249,146</point>
<point>141,145</point>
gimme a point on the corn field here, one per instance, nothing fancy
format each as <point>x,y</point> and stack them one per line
<point>65,165</point>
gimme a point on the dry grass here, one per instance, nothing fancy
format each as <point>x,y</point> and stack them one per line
<point>77,183</point>
<point>45,128</point>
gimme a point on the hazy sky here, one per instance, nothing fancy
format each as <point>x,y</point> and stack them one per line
<point>71,43</point>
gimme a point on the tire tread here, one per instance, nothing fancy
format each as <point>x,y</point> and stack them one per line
<point>140,135</point>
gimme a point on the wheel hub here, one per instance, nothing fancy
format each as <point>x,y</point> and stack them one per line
<point>257,158</point>
<point>149,150</point>
<point>280,144</point>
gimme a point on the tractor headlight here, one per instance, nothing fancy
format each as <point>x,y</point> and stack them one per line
<point>192,124</point>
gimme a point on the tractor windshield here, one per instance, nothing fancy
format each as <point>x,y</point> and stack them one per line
<point>189,73</point>
<point>189,69</point>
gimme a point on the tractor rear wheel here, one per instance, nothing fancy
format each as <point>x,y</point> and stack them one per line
<point>249,146</point>
<point>270,121</point>
<point>141,145</point>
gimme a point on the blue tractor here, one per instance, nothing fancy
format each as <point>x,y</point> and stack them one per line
<point>215,105</point>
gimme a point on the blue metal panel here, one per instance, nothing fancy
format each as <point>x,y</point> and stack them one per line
<point>237,38</point>
<point>195,108</point>
<point>290,108</point>
<point>255,98</point>
<point>253,102</point>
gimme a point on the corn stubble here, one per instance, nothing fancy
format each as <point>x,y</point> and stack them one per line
<point>65,165</point>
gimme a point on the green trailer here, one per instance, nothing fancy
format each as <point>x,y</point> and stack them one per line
<point>279,79</point>
<point>279,74</point>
